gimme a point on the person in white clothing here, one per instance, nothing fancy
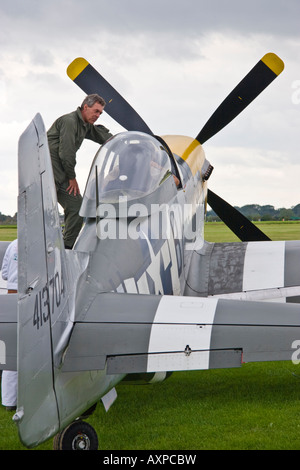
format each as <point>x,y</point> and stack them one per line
<point>9,381</point>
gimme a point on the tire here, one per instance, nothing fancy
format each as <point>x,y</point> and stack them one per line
<point>77,436</point>
<point>56,441</point>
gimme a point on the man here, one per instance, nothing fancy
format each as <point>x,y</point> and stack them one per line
<point>9,382</point>
<point>65,137</point>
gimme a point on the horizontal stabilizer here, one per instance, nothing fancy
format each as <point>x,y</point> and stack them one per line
<point>3,246</point>
<point>134,334</point>
<point>8,331</point>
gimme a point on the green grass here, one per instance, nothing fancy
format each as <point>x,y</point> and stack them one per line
<point>8,232</point>
<point>255,407</point>
<point>219,232</point>
<point>214,231</point>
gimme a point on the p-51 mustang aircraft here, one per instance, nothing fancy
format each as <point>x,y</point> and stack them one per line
<point>142,293</point>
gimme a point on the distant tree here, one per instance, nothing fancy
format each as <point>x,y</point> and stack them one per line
<point>285,214</point>
<point>8,219</point>
<point>256,212</point>
<point>296,211</point>
<point>251,211</point>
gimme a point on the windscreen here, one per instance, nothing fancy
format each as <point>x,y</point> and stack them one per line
<point>130,164</point>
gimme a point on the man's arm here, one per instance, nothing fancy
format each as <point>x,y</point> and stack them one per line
<point>98,133</point>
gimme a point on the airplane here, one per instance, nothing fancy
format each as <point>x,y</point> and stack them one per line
<point>141,294</point>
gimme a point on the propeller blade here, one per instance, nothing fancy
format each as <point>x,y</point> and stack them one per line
<point>245,230</point>
<point>90,81</point>
<point>262,74</point>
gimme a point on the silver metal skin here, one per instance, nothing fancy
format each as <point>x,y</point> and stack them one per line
<point>135,295</point>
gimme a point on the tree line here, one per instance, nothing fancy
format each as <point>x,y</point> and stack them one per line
<point>255,212</point>
<point>8,219</point>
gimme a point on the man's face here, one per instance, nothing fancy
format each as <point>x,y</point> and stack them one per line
<point>91,114</point>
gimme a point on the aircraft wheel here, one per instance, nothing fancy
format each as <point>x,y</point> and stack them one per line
<point>56,441</point>
<point>77,436</point>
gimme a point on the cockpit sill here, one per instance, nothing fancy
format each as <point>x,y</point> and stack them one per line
<point>158,222</point>
<point>164,217</point>
<point>125,207</point>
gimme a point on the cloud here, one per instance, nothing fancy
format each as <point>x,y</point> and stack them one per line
<point>245,176</point>
<point>174,62</point>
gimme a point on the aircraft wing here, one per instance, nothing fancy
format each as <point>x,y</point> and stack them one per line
<point>128,333</point>
<point>264,270</point>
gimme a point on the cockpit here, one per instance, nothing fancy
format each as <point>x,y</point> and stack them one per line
<point>131,165</point>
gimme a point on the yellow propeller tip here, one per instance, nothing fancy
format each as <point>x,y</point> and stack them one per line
<point>274,62</point>
<point>76,67</point>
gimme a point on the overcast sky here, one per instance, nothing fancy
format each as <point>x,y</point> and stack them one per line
<point>174,62</point>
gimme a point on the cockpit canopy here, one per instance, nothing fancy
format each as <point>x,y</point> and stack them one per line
<point>131,165</point>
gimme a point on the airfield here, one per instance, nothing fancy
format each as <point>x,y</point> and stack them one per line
<point>255,407</point>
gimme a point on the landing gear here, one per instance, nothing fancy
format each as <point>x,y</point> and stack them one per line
<point>77,436</point>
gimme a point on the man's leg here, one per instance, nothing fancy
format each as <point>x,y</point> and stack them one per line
<point>9,385</point>
<point>73,222</point>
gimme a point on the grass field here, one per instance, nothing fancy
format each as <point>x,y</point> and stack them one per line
<point>8,232</point>
<point>289,230</point>
<point>255,407</point>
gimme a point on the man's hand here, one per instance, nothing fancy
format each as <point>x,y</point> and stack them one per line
<point>73,187</point>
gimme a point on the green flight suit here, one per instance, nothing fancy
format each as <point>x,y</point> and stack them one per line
<point>65,137</point>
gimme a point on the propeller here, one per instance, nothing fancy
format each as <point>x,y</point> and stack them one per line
<point>91,81</point>
<point>262,74</point>
<point>242,227</point>
<point>259,77</point>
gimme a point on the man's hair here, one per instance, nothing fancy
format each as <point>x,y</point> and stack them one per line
<point>90,100</point>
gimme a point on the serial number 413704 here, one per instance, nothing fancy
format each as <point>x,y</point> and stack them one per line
<point>48,300</point>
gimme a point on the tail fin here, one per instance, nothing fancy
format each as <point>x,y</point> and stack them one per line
<point>45,285</point>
